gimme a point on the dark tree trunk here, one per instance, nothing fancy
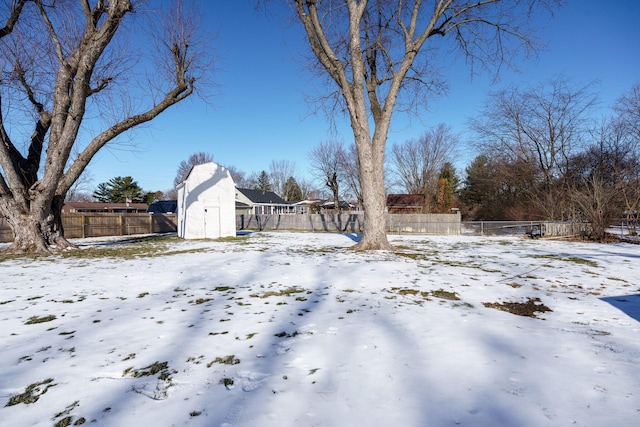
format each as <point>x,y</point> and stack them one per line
<point>39,231</point>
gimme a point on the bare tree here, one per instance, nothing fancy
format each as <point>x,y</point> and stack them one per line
<point>379,56</point>
<point>79,191</point>
<point>327,160</point>
<point>279,172</point>
<point>238,176</point>
<point>628,109</point>
<point>417,163</point>
<point>595,200</point>
<point>542,125</point>
<point>350,173</point>
<point>185,166</point>
<point>64,62</point>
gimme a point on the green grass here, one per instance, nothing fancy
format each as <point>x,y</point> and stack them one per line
<point>35,319</point>
<point>572,259</point>
<point>32,393</point>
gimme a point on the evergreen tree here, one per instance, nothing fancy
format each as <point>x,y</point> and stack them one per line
<point>264,183</point>
<point>119,190</point>
<point>292,190</point>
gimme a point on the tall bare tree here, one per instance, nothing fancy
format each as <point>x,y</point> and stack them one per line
<point>542,125</point>
<point>350,173</point>
<point>69,75</point>
<point>380,56</point>
<point>417,163</point>
<point>185,166</point>
<point>327,161</point>
<point>279,172</point>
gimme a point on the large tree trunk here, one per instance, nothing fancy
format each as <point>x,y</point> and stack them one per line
<point>374,236</point>
<point>39,230</point>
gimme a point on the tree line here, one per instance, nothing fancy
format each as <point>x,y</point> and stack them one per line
<point>541,155</point>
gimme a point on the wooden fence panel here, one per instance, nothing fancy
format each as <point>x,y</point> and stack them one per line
<point>94,224</point>
<point>440,224</point>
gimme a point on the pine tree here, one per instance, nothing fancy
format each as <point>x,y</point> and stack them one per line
<point>264,183</point>
<point>292,190</point>
<point>119,190</point>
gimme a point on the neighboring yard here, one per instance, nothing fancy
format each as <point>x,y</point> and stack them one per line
<point>295,329</point>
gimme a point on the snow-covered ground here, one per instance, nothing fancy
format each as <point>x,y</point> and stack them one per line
<point>295,329</point>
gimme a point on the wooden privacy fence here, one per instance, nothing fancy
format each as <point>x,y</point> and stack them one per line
<point>441,224</point>
<point>93,224</point>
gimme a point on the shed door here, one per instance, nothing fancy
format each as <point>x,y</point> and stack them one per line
<point>212,222</point>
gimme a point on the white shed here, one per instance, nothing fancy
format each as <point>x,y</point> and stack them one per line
<point>206,203</point>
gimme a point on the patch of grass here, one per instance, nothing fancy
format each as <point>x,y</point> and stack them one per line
<point>195,413</point>
<point>200,301</point>
<point>32,393</point>
<point>142,294</point>
<point>227,360</point>
<point>35,319</point>
<point>528,308</point>
<point>442,294</point>
<point>7,302</point>
<point>223,288</point>
<point>147,371</point>
<point>132,248</point>
<point>573,259</point>
<point>285,292</point>
<point>227,382</point>
<point>410,255</point>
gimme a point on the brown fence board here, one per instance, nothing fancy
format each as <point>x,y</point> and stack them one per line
<point>94,224</point>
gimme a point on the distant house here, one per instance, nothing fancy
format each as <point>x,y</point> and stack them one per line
<point>309,206</point>
<point>258,202</point>
<point>405,203</point>
<point>330,205</point>
<point>80,207</point>
<point>163,207</point>
<point>206,203</point>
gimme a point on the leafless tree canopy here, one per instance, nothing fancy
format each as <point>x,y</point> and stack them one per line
<point>327,160</point>
<point>77,75</point>
<point>185,166</point>
<point>417,163</point>
<point>279,173</point>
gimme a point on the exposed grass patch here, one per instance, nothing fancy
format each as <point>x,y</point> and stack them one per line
<point>442,294</point>
<point>528,308</point>
<point>285,292</point>
<point>410,255</point>
<point>227,360</point>
<point>228,382</point>
<point>147,371</point>
<point>514,285</point>
<point>200,301</point>
<point>32,393</point>
<point>35,319</point>
<point>133,248</point>
<point>573,259</point>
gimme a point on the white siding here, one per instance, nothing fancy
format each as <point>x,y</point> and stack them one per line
<point>206,203</point>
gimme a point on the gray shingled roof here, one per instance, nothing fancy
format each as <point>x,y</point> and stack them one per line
<point>265,197</point>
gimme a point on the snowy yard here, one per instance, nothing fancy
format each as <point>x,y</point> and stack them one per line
<point>295,329</point>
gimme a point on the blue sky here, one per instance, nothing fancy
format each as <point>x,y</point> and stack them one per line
<point>258,112</point>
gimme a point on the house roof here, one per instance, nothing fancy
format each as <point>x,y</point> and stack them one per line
<point>68,206</point>
<point>263,197</point>
<point>405,200</point>
<point>163,206</point>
